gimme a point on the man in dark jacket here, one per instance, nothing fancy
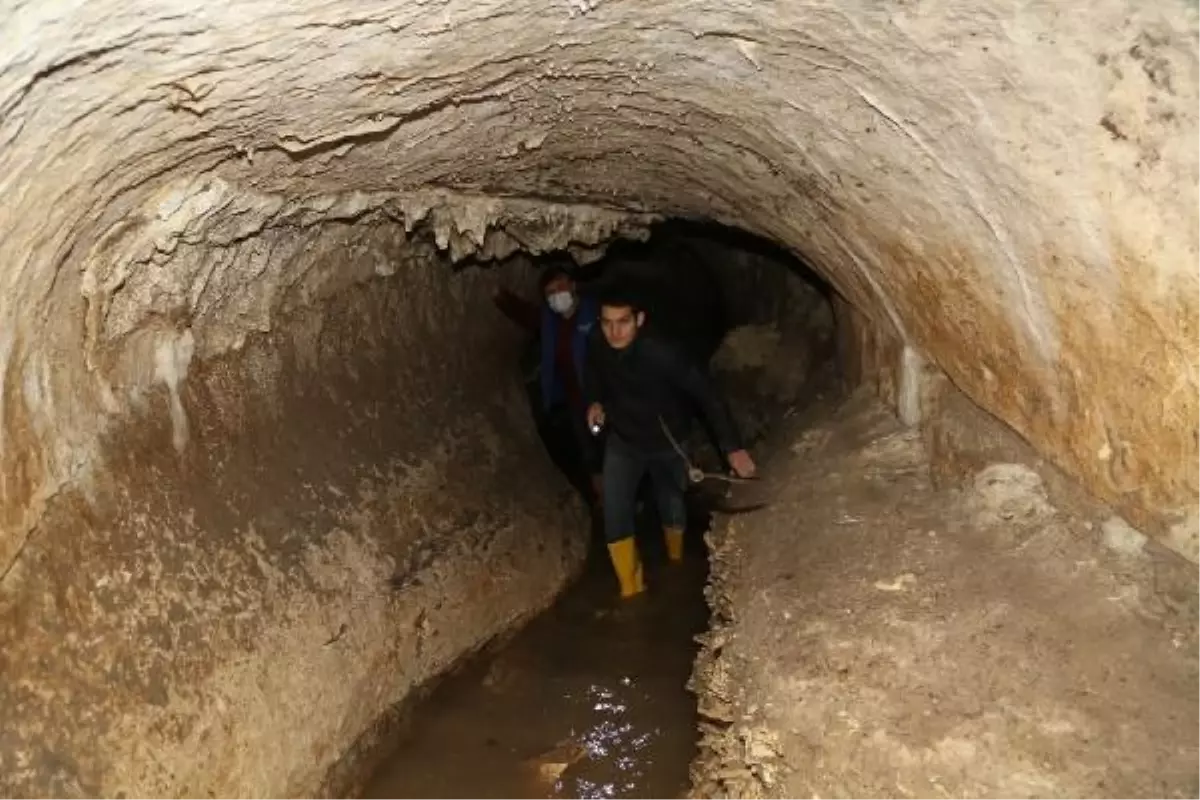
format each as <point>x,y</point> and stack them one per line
<point>637,386</point>
<point>563,322</point>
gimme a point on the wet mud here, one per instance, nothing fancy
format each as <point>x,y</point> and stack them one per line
<point>589,700</point>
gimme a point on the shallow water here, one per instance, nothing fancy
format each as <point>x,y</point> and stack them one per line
<point>589,700</point>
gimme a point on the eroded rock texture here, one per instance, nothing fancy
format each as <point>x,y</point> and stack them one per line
<point>192,200</point>
<point>877,636</point>
<point>285,541</point>
<point>1013,191</point>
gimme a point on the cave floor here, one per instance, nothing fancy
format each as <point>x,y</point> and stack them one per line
<point>873,635</point>
<point>588,700</point>
<point>877,636</point>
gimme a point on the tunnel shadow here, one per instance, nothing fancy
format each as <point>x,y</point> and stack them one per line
<point>686,273</point>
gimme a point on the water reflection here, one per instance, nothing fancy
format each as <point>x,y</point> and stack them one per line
<point>589,701</point>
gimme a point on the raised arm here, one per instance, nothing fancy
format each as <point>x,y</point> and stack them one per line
<point>524,313</point>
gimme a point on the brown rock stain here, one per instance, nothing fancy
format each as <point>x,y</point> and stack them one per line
<point>1130,366</point>
<point>161,628</point>
<point>21,462</point>
<point>1093,398</point>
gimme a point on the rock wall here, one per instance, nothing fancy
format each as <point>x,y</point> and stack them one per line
<point>1011,190</point>
<point>206,265</point>
<point>1009,193</point>
<point>961,438</point>
<point>287,537</point>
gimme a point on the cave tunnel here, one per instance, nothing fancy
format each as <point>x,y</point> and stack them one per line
<point>698,282</point>
<point>266,459</point>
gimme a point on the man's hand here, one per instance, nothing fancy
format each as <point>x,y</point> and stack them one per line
<point>595,416</point>
<point>741,464</point>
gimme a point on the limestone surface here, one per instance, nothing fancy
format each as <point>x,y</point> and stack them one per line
<point>1012,190</point>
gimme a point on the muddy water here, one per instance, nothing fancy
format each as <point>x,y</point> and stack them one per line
<point>588,701</point>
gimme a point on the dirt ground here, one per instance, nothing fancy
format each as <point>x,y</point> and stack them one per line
<point>876,636</point>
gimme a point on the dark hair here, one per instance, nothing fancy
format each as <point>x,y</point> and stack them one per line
<point>556,270</point>
<point>621,296</point>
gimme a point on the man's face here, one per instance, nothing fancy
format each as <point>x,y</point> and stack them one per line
<point>560,295</point>
<point>620,325</point>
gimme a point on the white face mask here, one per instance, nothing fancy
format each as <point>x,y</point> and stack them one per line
<point>561,302</point>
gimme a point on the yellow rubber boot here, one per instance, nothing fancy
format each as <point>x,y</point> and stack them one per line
<point>674,538</point>
<point>627,565</point>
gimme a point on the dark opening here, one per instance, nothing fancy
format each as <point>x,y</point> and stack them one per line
<point>700,280</point>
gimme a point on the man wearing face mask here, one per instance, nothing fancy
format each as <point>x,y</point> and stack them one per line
<point>563,323</point>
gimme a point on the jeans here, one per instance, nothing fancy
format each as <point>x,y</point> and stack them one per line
<point>624,467</point>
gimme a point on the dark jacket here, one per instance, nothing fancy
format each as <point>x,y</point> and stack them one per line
<point>649,380</point>
<point>539,319</point>
<point>583,322</point>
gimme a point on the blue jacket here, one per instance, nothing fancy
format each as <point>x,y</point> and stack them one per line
<point>584,321</point>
